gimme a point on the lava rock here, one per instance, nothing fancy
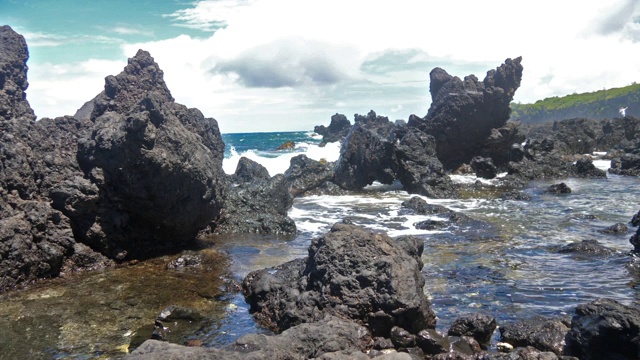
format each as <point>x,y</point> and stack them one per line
<point>337,130</point>
<point>635,220</point>
<point>463,113</point>
<point>13,76</point>
<point>484,167</point>
<point>478,326</point>
<point>516,195</point>
<point>586,247</point>
<point>586,169</point>
<point>432,342</point>
<point>605,329</point>
<point>538,332</point>
<point>248,170</point>
<point>306,174</point>
<point>618,228</point>
<point>350,272</point>
<point>561,188</point>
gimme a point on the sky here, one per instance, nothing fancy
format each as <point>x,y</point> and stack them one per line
<point>288,65</point>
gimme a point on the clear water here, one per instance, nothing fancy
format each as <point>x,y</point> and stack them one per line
<point>510,269</point>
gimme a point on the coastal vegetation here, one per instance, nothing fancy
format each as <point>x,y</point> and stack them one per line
<point>599,104</point>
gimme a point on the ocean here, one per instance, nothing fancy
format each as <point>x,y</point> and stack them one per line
<point>511,269</point>
<point>507,265</point>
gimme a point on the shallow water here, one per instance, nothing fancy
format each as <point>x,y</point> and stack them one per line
<point>509,269</point>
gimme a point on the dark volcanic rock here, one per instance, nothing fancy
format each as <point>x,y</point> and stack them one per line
<point>306,174</point>
<point>157,183</point>
<point>256,207</point>
<point>432,342</point>
<point>586,247</point>
<point>635,220</point>
<point>538,332</point>
<point>305,341</point>
<point>419,169</point>
<point>478,326</point>
<point>368,153</point>
<point>420,206</point>
<point>586,169</point>
<point>605,329</point>
<point>464,113</point>
<point>484,167</point>
<point>248,170</point>
<point>13,76</point>
<point>627,164</point>
<point>352,273</point>
<point>618,228</point>
<point>561,188</point>
<point>516,195</point>
<point>337,130</point>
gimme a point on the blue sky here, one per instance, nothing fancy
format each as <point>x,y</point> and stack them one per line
<point>279,65</point>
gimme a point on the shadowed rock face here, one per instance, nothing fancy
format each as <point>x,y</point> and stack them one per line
<point>464,113</point>
<point>156,181</point>
<point>13,76</point>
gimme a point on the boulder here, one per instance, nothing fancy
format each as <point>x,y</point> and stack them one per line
<point>605,329</point>
<point>615,229</point>
<point>157,184</point>
<point>256,207</point>
<point>586,247</point>
<point>248,170</point>
<point>586,169</point>
<point>306,174</point>
<point>478,326</point>
<point>464,113</point>
<point>337,130</point>
<point>352,273</point>
<point>484,167</point>
<point>539,332</point>
<point>561,188</point>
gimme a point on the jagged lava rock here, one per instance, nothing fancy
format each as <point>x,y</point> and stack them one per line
<point>351,273</point>
<point>13,76</point>
<point>463,113</point>
<point>158,185</point>
<point>542,333</point>
<point>336,131</point>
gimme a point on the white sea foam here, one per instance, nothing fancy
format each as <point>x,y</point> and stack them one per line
<point>278,162</point>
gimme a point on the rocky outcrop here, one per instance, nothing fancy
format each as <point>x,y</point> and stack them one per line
<point>156,181</point>
<point>377,150</point>
<point>13,76</point>
<point>306,174</point>
<point>351,273</point>
<point>337,130</point>
<point>605,329</point>
<point>464,113</point>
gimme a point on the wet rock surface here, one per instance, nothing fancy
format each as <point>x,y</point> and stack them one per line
<point>605,329</point>
<point>541,333</point>
<point>352,273</point>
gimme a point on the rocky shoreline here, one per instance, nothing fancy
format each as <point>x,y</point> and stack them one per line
<point>134,175</point>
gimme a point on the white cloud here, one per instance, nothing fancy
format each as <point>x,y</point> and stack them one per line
<point>290,64</point>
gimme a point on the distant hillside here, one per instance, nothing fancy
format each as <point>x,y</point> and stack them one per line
<point>602,104</point>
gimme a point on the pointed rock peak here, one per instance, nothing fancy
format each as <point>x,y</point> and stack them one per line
<point>13,76</point>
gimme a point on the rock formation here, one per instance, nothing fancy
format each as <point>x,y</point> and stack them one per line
<point>337,130</point>
<point>13,76</point>
<point>377,150</point>
<point>466,115</point>
<point>351,273</point>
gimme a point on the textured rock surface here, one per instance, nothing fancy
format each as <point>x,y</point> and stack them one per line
<point>605,329</point>
<point>478,326</point>
<point>540,333</point>
<point>336,131</point>
<point>377,150</point>
<point>352,273</point>
<point>156,181</point>
<point>13,76</point>
<point>463,113</point>
<point>305,341</point>
<point>306,174</point>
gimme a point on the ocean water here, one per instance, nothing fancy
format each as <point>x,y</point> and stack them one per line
<point>506,266</point>
<point>509,269</point>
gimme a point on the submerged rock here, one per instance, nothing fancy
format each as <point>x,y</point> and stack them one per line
<point>586,247</point>
<point>352,273</point>
<point>561,188</point>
